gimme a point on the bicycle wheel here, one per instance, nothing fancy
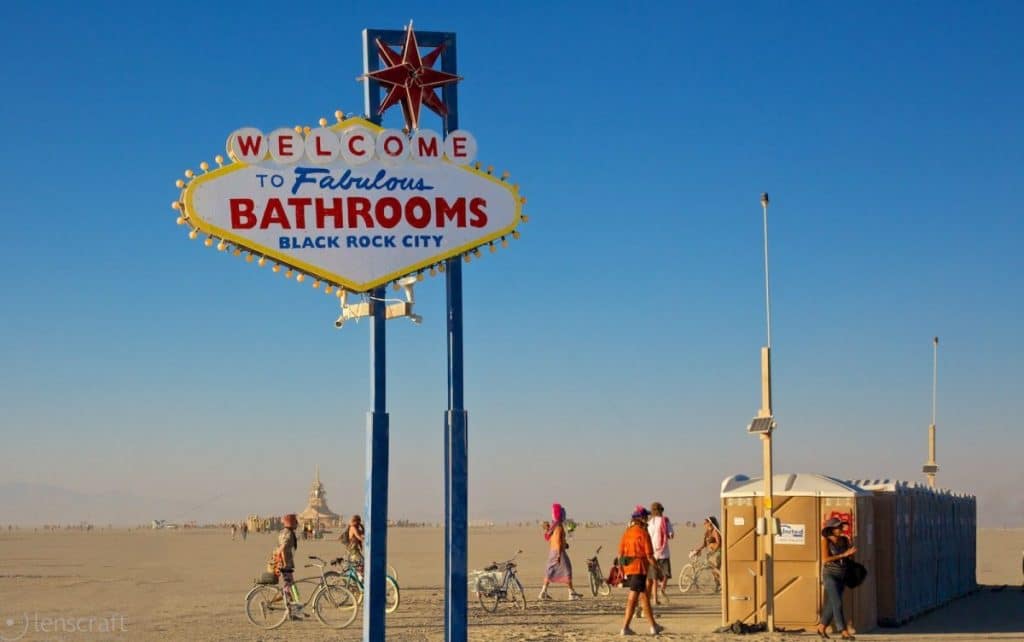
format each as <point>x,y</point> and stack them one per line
<point>602,584</point>
<point>392,596</point>
<point>516,593</point>
<point>595,581</point>
<point>487,593</point>
<point>706,581</point>
<point>686,578</point>
<point>263,610</point>
<point>335,606</point>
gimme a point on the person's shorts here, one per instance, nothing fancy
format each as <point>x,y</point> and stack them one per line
<point>664,569</point>
<point>716,559</point>
<point>637,583</point>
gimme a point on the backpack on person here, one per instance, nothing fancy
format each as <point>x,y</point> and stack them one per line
<point>344,536</point>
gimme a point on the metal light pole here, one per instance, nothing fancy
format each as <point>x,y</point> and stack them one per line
<point>931,468</point>
<point>764,424</point>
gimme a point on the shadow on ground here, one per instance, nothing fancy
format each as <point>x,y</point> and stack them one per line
<point>992,609</point>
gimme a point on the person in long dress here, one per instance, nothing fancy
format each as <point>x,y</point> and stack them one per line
<point>559,566</point>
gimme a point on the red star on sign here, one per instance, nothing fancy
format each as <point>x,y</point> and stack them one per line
<point>412,79</point>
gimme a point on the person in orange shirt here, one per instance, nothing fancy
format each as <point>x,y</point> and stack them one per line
<point>636,555</point>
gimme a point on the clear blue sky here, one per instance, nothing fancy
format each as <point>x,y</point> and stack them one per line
<point>613,353</point>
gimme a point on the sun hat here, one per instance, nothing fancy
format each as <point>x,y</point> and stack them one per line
<point>290,520</point>
<point>833,522</point>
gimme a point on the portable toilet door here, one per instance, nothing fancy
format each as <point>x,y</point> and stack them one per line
<point>739,557</point>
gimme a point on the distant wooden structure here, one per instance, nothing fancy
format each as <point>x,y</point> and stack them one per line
<point>317,514</point>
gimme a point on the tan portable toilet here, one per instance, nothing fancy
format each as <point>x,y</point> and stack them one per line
<point>801,504</point>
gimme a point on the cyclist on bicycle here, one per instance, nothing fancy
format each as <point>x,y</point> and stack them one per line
<point>713,544</point>
<point>353,539</point>
<point>285,555</point>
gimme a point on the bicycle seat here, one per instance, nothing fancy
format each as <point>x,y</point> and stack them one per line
<point>492,567</point>
<point>337,560</point>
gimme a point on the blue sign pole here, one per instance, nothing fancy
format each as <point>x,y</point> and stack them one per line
<point>456,448</point>
<point>456,440</point>
<point>377,426</point>
<point>377,446</point>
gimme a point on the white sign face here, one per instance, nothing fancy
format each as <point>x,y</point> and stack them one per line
<point>791,534</point>
<point>352,204</point>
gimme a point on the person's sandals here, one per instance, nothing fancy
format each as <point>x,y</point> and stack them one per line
<point>847,636</point>
<point>543,596</point>
<point>627,631</point>
<point>822,634</point>
<point>575,596</point>
<point>656,629</point>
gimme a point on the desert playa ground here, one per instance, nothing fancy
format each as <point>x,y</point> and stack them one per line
<point>190,585</point>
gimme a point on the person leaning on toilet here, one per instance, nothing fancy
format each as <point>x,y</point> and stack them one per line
<point>835,553</point>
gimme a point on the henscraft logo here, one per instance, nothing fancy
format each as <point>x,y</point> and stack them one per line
<point>14,627</point>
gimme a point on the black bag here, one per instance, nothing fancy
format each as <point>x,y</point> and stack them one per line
<point>854,574</point>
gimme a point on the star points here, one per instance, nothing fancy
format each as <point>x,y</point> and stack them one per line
<point>411,79</point>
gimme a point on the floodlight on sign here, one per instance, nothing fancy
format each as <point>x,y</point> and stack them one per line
<point>761,425</point>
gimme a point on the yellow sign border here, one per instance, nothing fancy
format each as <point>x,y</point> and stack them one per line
<point>203,226</point>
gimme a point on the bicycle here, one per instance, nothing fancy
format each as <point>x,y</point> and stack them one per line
<point>267,606</point>
<point>699,574</point>
<point>598,582</point>
<point>350,575</point>
<point>490,590</point>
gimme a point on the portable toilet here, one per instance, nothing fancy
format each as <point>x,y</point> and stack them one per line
<point>801,503</point>
<point>894,577</point>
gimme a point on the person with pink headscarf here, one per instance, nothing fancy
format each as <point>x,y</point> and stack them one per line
<point>559,567</point>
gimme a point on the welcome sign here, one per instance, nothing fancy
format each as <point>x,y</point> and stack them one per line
<point>353,205</point>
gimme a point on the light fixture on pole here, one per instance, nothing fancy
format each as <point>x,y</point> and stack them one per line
<point>763,424</point>
<point>931,468</point>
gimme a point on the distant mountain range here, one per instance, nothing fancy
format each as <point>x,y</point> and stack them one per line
<point>35,504</point>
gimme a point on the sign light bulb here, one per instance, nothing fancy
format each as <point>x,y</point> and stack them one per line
<point>276,268</point>
<point>180,220</point>
<point>208,242</point>
<point>204,166</point>
<point>179,183</point>
<point>248,258</point>
<point>221,245</point>
<point>288,274</point>
<point>189,173</point>
<point>262,261</point>
<point>219,160</point>
<point>193,234</point>
<point>300,278</point>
